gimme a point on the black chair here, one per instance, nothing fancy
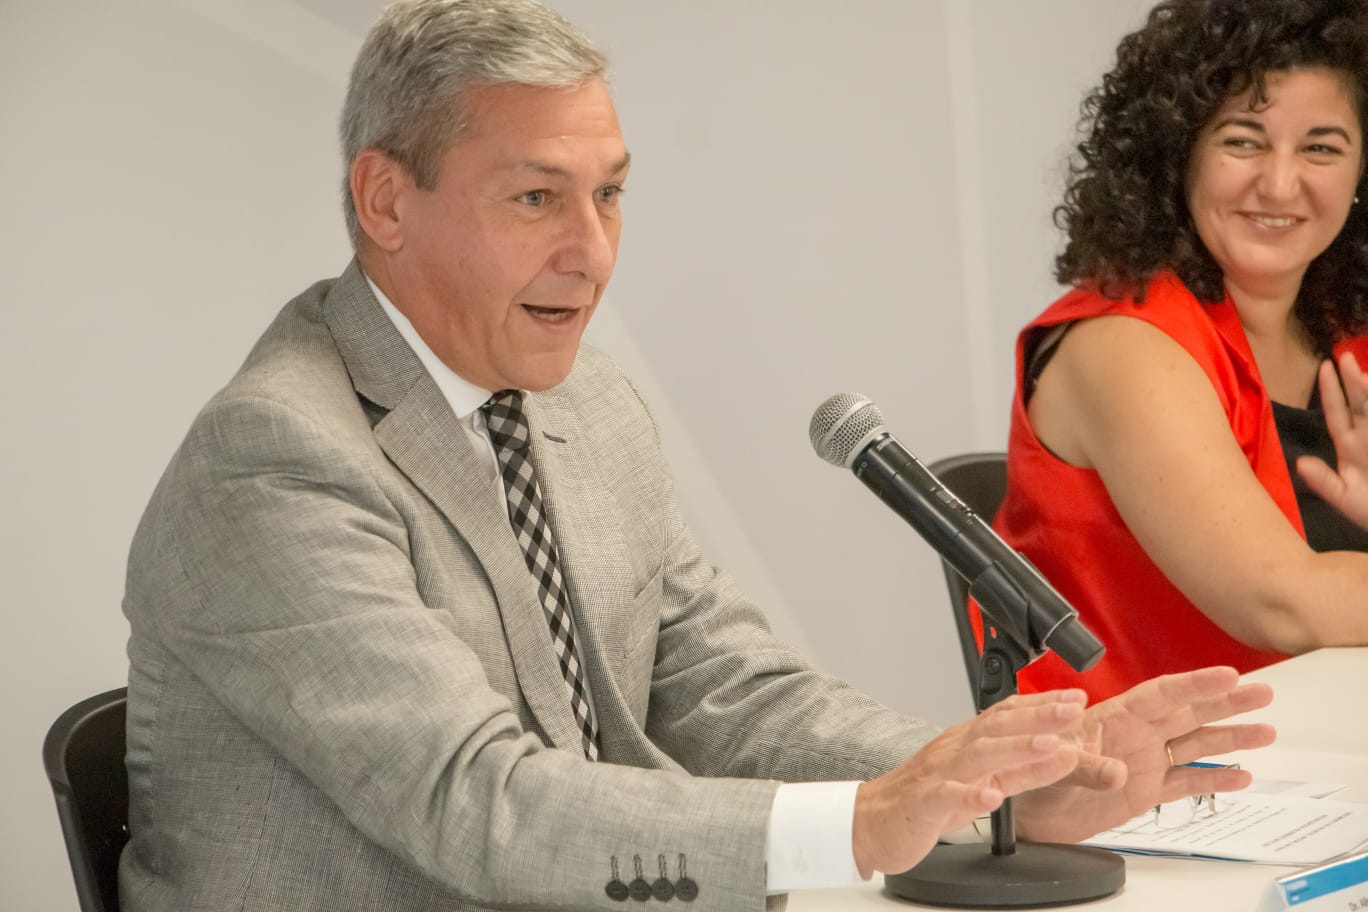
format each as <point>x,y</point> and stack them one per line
<point>980,480</point>
<point>84,757</point>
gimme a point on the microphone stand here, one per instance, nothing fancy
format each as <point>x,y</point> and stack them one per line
<point>1007,875</point>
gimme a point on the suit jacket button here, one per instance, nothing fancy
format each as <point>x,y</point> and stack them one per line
<point>639,890</point>
<point>686,889</point>
<point>615,888</point>
<point>662,889</point>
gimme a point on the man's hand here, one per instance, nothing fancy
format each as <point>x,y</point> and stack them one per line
<point>1134,747</point>
<point>1022,743</point>
<point>1077,772</point>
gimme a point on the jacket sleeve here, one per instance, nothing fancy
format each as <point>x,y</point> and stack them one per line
<point>277,569</point>
<point>730,699</point>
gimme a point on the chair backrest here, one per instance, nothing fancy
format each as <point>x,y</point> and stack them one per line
<point>84,757</point>
<point>980,480</point>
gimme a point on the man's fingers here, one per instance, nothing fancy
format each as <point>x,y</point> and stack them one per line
<point>1030,717</point>
<point>983,757</point>
<point>1242,699</point>
<point>1016,763</point>
<point>1214,740</point>
<point>1036,700</point>
<point>1187,721</point>
<point>1099,773</point>
<point>960,802</point>
<point>1047,771</point>
<point>933,799</point>
<point>1165,695</point>
<point>1198,780</point>
<point>1179,703</point>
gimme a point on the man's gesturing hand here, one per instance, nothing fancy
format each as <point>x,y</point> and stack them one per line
<point>1134,749</point>
<point>1024,742</point>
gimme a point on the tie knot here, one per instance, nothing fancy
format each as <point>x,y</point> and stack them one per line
<point>507,423</point>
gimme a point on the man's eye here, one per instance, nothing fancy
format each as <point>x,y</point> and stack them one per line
<point>533,198</point>
<point>610,193</point>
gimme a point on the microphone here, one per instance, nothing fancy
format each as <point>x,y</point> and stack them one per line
<point>1030,617</point>
<point>848,430</point>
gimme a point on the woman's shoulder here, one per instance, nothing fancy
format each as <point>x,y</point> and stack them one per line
<point>1166,302</point>
<point>1163,292</point>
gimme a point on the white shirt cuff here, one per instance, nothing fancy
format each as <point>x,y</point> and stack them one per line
<point>810,831</point>
<point>980,831</point>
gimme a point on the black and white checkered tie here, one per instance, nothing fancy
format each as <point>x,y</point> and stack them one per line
<point>509,432</point>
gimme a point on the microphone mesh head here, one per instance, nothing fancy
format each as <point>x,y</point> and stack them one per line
<point>842,426</point>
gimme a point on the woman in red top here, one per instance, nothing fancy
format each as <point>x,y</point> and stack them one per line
<point>1177,414</point>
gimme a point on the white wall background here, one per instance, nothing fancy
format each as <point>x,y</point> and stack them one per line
<point>824,197</point>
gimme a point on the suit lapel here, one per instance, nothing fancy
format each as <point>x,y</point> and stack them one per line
<point>426,442</point>
<point>586,521</point>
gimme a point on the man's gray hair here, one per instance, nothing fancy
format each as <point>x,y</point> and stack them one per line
<point>405,93</point>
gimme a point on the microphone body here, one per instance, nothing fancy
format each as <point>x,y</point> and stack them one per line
<point>1019,600</point>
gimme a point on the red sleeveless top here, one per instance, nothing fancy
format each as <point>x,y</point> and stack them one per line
<point>1063,520</point>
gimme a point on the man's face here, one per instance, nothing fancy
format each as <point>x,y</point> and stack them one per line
<point>501,265</point>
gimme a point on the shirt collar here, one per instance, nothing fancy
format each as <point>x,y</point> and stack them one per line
<point>464,397</point>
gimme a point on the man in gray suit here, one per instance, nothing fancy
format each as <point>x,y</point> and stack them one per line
<point>416,623</point>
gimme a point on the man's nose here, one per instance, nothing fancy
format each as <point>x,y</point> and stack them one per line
<point>591,244</point>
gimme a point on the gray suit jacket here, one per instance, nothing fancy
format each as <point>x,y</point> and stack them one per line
<point>342,690</point>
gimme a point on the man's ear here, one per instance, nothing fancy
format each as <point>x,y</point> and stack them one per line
<point>376,182</point>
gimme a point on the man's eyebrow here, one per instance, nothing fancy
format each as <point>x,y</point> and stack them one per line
<point>551,170</point>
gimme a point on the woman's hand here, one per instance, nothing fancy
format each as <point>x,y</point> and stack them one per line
<point>1346,415</point>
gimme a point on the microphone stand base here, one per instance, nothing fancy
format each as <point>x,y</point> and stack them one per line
<point>1036,875</point>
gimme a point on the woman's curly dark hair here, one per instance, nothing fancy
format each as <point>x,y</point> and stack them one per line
<point>1125,208</point>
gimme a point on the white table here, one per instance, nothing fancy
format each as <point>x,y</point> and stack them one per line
<point>1319,710</point>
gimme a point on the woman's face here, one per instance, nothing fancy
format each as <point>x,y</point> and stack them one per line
<point>1269,189</point>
